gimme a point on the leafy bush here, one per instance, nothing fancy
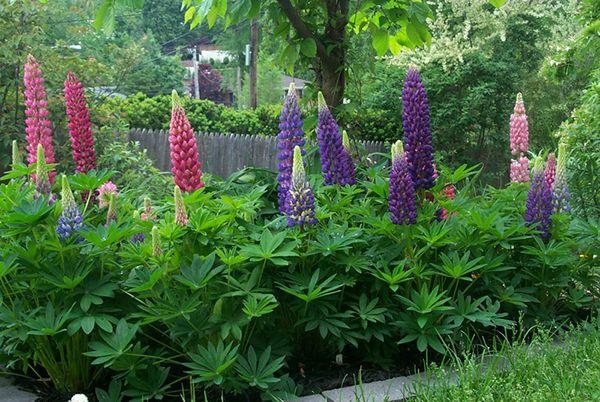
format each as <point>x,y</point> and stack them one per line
<point>236,300</point>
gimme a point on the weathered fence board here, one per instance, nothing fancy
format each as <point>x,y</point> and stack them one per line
<point>223,154</point>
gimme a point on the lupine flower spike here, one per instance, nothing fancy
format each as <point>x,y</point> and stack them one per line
<point>401,200</point>
<point>550,172</point>
<point>38,128</point>
<point>156,247</point>
<point>184,149</point>
<point>181,217</point>
<point>138,237</point>
<point>111,214</point>
<point>70,220</point>
<point>519,143</point>
<point>538,209</point>
<point>16,155</point>
<point>336,164</point>
<point>561,196</point>
<point>300,201</point>
<point>42,182</point>
<point>417,136</point>
<point>290,135</point>
<point>80,129</point>
<point>449,193</point>
<point>105,192</point>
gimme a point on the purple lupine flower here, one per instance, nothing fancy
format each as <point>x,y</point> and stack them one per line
<point>300,208</point>
<point>70,220</point>
<point>561,196</point>
<point>417,136</point>
<point>402,201</point>
<point>538,208</point>
<point>290,135</point>
<point>336,164</point>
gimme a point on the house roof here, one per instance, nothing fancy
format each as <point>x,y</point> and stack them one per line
<point>286,80</point>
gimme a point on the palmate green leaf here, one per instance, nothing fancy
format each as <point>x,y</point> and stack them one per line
<point>169,306</point>
<point>271,248</point>
<point>313,289</point>
<point>393,277</point>
<point>426,333</point>
<point>113,345</point>
<point>328,324</point>
<point>113,394</point>
<point>94,290</point>
<point>465,308</point>
<point>87,323</point>
<point>368,312</point>
<point>89,181</point>
<point>200,272</point>
<point>24,217</point>
<point>7,265</point>
<point>257,305</point>
<point>142,279</point>
<point>335,239</point>
<point>426,301</point>
<point>147,384</point>
<point>458,268</point>
<point>259,372</point>
<point>211,363</point>
<point>49,323</point>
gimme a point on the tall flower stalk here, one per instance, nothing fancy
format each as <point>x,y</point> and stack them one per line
<point>561,197</point>
<point>181,217</point>
<point>519,143</point>
<point>80,129</point>
<point>38,127</point>
<point>70,220</point>
<point>550,172</point>
<point>290,135</point>
<point>184,149</point>
<point>156,246</point>
<point>42,181</point>
<point>538,208</point>
<point>300,201</point>
<point>402,202</point>
<point>336,164</point>
<point>417,135</point>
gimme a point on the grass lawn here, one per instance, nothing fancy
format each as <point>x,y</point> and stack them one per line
<point>546,370</point>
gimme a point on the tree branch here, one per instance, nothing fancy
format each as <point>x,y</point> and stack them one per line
<point>300,27</point>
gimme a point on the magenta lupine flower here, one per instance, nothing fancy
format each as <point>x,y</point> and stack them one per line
<point>550,172</point>
<point>38,128</point>
<point>184,150</point>
<point>538,208</point>
<point>402,203</point>
<point>449,193</point>
<point>519,170</point>
<point>105,192</point>
<point>300,208</point>
<point>417,136</point>
<point>80,129</point>
<point>519,143</point>
<point>290,135</point>
<point>336,164</point>
<point>181,217</point>
<point>561,196</point>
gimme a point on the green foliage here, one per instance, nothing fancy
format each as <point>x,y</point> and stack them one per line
<point>236,296</point>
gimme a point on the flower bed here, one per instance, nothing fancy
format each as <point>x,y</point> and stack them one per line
<point>243,285</point>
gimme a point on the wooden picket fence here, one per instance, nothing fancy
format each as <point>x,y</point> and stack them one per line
<point>222,154</point>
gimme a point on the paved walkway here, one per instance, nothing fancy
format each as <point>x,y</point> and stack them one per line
<point>10,393</point>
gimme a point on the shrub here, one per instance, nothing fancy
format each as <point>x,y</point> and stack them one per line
<point>235,299</point>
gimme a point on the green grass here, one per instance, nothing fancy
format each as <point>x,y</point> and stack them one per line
<point>547,369</point>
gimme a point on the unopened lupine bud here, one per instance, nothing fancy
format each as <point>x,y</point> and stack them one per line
<point>402,202</point>
<point>111,214</point>
<point>346,142</point>
<point>147,214</point>
<point>70,220</point>
<point>42,182</point>
<point>16,155</point>
<point>181,217</point>
<point>561,197</point>
<point>300,207</point>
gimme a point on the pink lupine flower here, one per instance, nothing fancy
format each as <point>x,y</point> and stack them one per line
<point>519,128</point>
<point>519,170</point>
<point>37,125</point>
<point>105,192</point>
<point>550,172</point>
<point>184,150</point>
<point>80,130</point>
<point>449,193</point>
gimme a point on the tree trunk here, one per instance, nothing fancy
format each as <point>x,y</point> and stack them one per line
<point>332,80</point>
<point>253,63</point>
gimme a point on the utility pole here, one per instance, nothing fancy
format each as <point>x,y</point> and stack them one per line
<point>238,85</point>
<point>195,64</point>
<point>253,62</point>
